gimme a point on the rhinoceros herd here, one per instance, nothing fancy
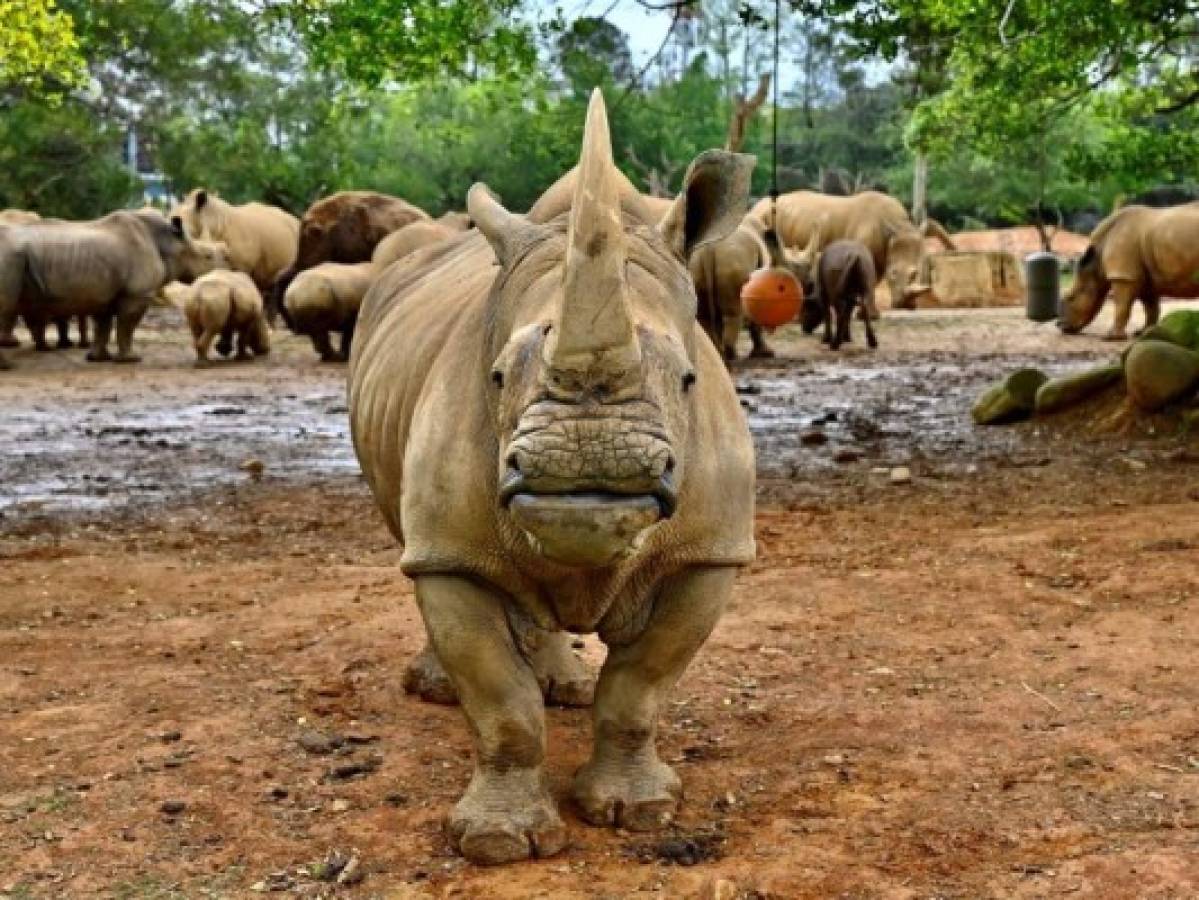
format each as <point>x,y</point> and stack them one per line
<point>543,425</point>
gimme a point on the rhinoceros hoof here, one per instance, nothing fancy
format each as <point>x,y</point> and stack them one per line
<point>427,679</point>
<point>98,356</point>
<point>127,359</point>
<point>64,345</point>
<point>1116,336</point>
<point>639,796</point>
<point>9,341</point>
<point>506,817</point>
<point>762,353</point>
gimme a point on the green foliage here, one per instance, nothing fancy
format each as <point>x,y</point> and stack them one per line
<point>380,41</point>
<point>37,45</point>
<point>61,160</point>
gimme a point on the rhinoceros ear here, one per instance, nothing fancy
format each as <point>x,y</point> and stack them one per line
<point>177,227</point>
<point>505,231</point>
<point>712,203</point>
<point>201,198</point>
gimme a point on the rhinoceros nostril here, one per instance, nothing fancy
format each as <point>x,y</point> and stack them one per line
<point>669,465</point>
<point>513,462</point>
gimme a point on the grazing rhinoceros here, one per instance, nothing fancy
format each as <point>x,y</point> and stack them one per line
<point>558,447</point>
<point>224,303</point>
<point>108,269</point>
<point>343,228</point>
<point>876,220</point>
<point>1137,253</point>
<point>324,299</point>
<point>261,238</point>
<point>845,279</point>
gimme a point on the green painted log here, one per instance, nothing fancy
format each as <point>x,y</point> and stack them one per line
<point>1061,393</point>
<point>1158,373</point>
<point>1010,400</point>
<point>1181,327</point>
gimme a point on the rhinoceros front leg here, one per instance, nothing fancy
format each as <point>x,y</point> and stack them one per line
<point>1153,312</point>
<point>507,812</point>
<point>625,783</point>
<point>1124,294</point>
<point>99,351</point>
<point>761,350</point>
<point>129,315</point>
<point>564,679</point>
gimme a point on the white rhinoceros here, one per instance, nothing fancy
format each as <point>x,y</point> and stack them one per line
<point>557,445</point>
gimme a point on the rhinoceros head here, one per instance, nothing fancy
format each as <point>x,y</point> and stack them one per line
<point>1080,306</point>
<point>594,349</point>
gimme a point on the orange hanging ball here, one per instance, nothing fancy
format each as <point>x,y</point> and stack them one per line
<point>772,297</point>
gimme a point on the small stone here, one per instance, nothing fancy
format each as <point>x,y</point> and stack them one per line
<point>319,743</point>
<point>352,873</point>
<point>170,737</point>
<point>339,805</point>
<point>813,438</point>
<point>718,889</point>
<point>277,793</point>
<point>254,468</point>
<point>846,456</point>
<point>172,807</point>
<point>901,475</point>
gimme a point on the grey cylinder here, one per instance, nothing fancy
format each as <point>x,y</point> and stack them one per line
<point>1043,278</point>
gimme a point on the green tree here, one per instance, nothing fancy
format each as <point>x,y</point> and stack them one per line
<point>37,44</point>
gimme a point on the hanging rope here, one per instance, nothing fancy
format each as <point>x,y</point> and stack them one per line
<point>774,153</point>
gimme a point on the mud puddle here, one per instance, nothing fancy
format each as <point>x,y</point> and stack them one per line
<point>95,445</point>
<point>822,415</point>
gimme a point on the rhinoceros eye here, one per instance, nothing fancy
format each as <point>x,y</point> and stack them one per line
<point>497,378</point>
<point>688,381</point>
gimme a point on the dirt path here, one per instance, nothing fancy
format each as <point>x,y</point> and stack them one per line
<point>981,684</point>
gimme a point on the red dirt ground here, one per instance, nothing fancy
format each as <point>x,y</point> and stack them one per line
<point>972,686</point>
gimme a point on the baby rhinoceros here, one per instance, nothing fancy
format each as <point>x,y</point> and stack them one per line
<point>225,304</point>
<point>324,299</point>
<point>845,280</point>
<point>557,445</point>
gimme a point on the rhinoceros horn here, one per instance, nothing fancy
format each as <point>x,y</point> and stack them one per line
<point>593,325</point>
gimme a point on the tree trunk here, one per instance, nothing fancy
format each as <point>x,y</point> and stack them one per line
<point>743,111</point>
<point>920,189</point>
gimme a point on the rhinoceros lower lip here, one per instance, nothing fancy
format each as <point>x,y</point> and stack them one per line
<point>581,500</point>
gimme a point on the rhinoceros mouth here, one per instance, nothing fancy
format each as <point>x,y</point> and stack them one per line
<point>585,529</point>
<point>579,498</point>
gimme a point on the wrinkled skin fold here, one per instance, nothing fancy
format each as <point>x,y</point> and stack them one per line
<point>558,447</point>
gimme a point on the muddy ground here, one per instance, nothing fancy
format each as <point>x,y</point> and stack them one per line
<point>979,684</point>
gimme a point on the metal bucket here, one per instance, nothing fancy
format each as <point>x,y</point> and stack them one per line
<point>1043,280</point>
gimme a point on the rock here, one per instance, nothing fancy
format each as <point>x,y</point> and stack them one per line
<point>1059,393</point>
<point>172,807</point>
<point>340,806</point>
<point>169,737</point>
<point>1181,327</point>
<point>352,873</point>
<point>1158,373</point>
<point>254,468</point>
<point>813,438</point>
<point>319,743</point>
<point>846,456</point>
<point>901,475</point>
<point>1010,400</point>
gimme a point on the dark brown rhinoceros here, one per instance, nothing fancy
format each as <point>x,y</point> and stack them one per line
<point>557,445</point>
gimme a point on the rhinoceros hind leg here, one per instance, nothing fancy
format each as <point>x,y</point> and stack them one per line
<point>564,679</point>
<point>625,783</point>
<point>507,813</point>
<point>426,678</point>
<point>761,350</point>
<point>64,334</point>
<point>8,340</point>
<point>1153,312</point>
